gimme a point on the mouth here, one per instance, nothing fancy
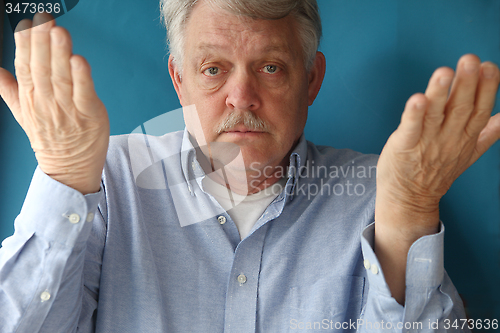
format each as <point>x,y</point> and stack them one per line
<point>242,130</point>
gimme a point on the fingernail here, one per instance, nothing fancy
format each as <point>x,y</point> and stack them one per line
<point>420,106</point>
<point>489,72</point>
<point>445,81</point>
<point>470,67</point>
<point>75,64</point>
<point>40,26</point>
<point>24,32</point>
<point>55,38</point>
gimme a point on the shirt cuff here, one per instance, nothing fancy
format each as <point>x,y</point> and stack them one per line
<point>424,263</point>
<point>56,212</point>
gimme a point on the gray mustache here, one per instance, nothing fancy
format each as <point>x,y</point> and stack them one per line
<point>247,118</point>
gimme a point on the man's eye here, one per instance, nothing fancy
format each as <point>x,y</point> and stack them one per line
<point>212,71</point>
<point>271,69</point>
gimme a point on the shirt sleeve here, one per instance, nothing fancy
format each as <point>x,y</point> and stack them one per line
<point>432,303</point>
<point>42,262</point>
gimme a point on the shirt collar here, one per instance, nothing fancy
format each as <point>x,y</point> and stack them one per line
<point>298,158</point>
<point>191,167</point>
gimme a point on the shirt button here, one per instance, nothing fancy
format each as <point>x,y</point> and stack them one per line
<point>90,217</point>
<point>366,263</point>
<point>242,278</point>
<point>74,218</point>
<point>221,219</point>
<point>45,296</point>
<point>374,269</point>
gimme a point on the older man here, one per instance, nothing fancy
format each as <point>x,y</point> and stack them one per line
<point>178,233</point>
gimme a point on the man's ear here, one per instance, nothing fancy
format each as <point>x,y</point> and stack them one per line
<point>316,75</point>
<point>175,75</point>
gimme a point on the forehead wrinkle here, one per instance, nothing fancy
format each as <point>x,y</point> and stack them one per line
<point>243,45</point>
<point>209,48</point>
<point>235,35</point>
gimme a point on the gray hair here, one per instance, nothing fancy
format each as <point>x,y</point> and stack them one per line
<point>175,14</point>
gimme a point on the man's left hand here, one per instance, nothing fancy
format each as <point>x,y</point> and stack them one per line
<point>441,134</point>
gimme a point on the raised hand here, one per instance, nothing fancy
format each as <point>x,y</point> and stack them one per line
<point>55,103</point>
<point>442,133</point>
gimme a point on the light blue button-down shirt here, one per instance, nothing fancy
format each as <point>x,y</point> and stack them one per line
<point>152,252</point>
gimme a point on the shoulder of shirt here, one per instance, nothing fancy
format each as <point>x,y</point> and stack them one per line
<point>327,155</point>
<point>124,142</point>
<point>127,150</point>
<point>340,166</point>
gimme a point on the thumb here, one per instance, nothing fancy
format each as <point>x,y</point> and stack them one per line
<point>10,93</point>
<point>488,136</point>
<point>84,95</point>
<point>412,121</point>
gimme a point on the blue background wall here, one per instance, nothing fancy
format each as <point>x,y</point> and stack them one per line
<point>378,54</point>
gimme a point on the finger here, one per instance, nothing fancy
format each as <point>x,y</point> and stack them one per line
<point>40,54</point>
<point>60,49</point>
<point>84,95</point>
<point>437,94</point>
<point>485,98</point>
<point>10,93</point>
<point>488,136</point>
<point>460,104</point>
<point>410,129</point>
<point>22,58</point>
<point>22,37</point>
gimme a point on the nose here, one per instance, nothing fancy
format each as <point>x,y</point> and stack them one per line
<point>242,91</point>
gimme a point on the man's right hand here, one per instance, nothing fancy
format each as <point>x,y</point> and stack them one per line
<point>55,103</point>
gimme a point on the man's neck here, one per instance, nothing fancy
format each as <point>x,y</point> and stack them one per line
<point>244,182</point>
<point>239,179</point>
<point>235,174</point>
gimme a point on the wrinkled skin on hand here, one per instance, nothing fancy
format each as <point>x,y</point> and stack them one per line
<point>440,135</point>
<point>54,101</point>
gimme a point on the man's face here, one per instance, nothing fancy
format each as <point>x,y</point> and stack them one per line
<point>237,65</point>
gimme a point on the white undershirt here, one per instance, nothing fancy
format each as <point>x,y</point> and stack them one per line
<point>244,210</point>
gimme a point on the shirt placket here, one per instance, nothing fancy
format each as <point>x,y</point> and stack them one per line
<point>241,297</point>
<point>242,290</point>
